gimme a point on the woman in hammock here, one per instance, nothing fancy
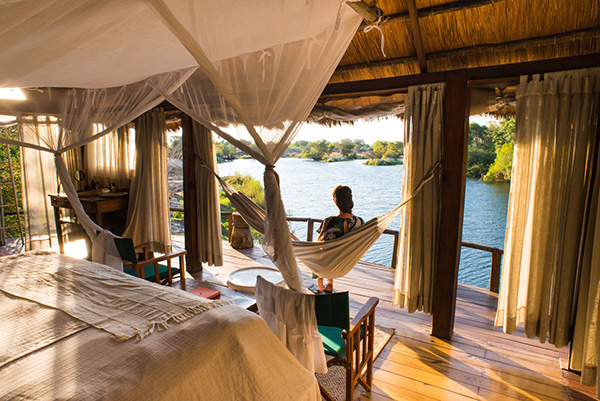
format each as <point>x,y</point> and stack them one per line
<point>336,226</point>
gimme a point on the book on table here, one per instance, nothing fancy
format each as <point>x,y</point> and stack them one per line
<point>206,292</point>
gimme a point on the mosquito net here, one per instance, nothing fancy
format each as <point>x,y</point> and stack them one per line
<point>251,71</point>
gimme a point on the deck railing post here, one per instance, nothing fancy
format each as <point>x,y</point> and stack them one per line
<point>395,250</point>
<point>309,229</point>
<point>495,274</point>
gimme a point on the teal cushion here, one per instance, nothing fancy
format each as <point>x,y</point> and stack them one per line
<point>163,272</point>
<point>333,343</point>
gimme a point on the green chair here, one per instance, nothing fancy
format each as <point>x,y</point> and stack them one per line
<point>149,268</point>
<point>349,343</point>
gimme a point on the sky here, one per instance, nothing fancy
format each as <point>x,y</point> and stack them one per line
<point>391,130</point>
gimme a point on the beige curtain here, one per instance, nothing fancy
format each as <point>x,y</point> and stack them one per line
<point>209,210</point>
<point>148,216</point>
<point>110,159</point>
<point>424,106</point>
<point>586,333</point>
<point>39,179</point>
<point>74,161</point>
<point>556,127</point>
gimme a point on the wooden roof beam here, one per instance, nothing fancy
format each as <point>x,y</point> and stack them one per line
<point>369,14</point>
<point>481,49</point>
<point>440,9</point>
<point>388,86</point>
<point>416,33</point>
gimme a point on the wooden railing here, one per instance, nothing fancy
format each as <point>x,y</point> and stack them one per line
<point>310,229</point>
<point>496,257</point>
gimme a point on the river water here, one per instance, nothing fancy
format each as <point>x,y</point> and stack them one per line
<point>306,188</point>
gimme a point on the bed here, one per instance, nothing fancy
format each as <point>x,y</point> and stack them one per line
<point>211,351</point>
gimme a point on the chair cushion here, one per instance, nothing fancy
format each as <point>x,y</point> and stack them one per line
<point>333,343</point>
<point>149,272</point>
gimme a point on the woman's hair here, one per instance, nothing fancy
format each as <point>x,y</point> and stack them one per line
<point>342,196</point>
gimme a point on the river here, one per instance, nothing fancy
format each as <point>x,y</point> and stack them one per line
<point>306,188</point>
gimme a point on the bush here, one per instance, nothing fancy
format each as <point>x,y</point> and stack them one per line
<point>502,167</point>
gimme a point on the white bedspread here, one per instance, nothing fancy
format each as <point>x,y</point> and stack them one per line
<point>224,353</point>
<point>93,293</point>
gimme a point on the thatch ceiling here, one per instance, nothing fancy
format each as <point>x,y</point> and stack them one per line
<point>447,35</point>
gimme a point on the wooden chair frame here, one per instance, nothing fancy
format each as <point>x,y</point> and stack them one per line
<point>141,264</point>
<point>359,357</point>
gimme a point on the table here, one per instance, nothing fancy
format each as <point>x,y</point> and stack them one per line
<point>109,211</point>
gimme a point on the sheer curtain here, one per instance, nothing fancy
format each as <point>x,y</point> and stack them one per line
<point>261,90</point>
<point>551,223</point>
<point>148,215</point>
<point>208,207</point>
<point>262,80</point>
<point>78,114</point>
<point>39,179</point>
<point>110,159</point>
<point>423,124</point>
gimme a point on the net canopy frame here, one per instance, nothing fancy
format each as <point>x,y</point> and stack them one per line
<point>242,69</point>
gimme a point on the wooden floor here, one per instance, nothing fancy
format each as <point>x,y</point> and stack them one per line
<point>480,362</point>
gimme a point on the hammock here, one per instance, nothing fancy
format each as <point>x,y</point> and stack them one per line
<point>328,259</point>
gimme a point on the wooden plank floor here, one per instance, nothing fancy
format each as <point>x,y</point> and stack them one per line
<point>480,362</point>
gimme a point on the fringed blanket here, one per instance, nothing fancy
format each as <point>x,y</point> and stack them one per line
<point>43,326</point>
<point>96,294</point>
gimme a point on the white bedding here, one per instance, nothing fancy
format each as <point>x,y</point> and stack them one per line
<point>224,353</point>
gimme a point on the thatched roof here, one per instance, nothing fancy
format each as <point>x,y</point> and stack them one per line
<point>442,35</point>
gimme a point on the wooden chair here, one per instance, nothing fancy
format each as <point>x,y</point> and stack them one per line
<point>350,343</point>
<point>148,267</point>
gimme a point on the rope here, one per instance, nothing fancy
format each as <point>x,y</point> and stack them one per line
<point>375,25</point>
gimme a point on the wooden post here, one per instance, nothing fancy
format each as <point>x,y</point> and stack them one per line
<point>395,250</point>
<point>309,230</point>
<point>455,141</point>
<point>495,273</point>
<point>189,195</point>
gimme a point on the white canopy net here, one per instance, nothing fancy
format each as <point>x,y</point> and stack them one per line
<point>248,70</point>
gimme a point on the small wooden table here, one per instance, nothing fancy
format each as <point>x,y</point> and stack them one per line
<point>97,207</point>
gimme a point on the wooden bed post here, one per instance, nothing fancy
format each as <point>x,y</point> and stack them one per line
<point>455,141</point>
<point>189,195</point>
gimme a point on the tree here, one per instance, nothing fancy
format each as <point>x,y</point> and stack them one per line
<point>379,149</point>
<point>505,133</point>
<point>317,150</point>
<point>225,150</point>
<point>480,137</point>
<point>345,146</point>
<point>394,150</point>
<point>481,151</point>
<point>478,162</point>
<point>361,146</point>
<point>502,167</point>
<point>298,145</point>
<point>11,132</point>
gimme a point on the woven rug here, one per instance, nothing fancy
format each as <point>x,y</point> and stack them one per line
<point>334,380</point>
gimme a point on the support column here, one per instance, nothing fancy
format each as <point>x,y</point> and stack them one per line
<point>455,143</point>
<point>189,196</point>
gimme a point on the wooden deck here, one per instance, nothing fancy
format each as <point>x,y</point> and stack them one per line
<point>480,362</point>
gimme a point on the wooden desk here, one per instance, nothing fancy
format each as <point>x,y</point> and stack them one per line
<point>98,207</point>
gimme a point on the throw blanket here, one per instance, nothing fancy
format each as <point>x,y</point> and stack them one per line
<point>122,305</point>
<point>43,326</point>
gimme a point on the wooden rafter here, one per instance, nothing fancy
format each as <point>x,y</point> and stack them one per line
<point>416,34</point>
<point>391,85</point>
<point>440,9</point>
<point>481,49</point>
